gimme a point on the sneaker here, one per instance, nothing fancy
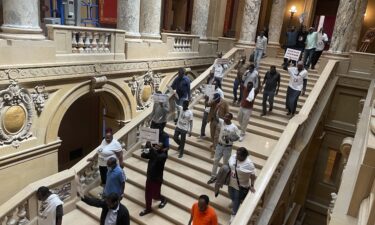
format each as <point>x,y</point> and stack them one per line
<point>211,180</point>
<point>288,113</point>
<point>263,114</point>
<point>202,136</point>
<point>144,212</point>
<point>241,138</point>
<point>163,203</point>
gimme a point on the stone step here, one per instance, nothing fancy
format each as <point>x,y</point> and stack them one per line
<point>77,215</point>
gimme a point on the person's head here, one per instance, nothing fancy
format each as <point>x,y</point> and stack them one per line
<point>216,97</point>
<point>251,67</point>
<point>111,162</point>
<point>228,118</point>
<point>242,154</point>
<point>311,29</point>
<point>304,28</point>
<point>42,193</point>
<point>300,66</point>
<point>219,55</point>
<point>181,72</point>
<point>203,202</point>
<point>217,83</point>
<point>261,34</point>
<point>250,85</point>
<point>158,92</point>
<point>272,69</point>
<point>112,200</point>
<point>185,104</point>
<point>292,28</point>
<point>243,59</point>
<point>108,135</point>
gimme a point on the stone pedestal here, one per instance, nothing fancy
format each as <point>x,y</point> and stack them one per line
<point>343,31</point>
<point>21,20</point>
<point>200,18</point>
<point>128,12</point>
<point>249,21</point>
<point>150,19</point>
<point>358,24</point>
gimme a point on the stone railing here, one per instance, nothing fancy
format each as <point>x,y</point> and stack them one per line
<point>88,41</point>
<point>362,64</point>
<point>23,207</point>
<point>296,129</point>
<point>181,43</point>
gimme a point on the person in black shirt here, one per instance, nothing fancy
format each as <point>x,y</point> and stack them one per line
<point>156,155</point>
<point>301,41</point>
<point>272,81</point>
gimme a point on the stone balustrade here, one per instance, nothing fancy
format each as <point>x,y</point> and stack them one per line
<point>87,42</point>
<point>181,43</point>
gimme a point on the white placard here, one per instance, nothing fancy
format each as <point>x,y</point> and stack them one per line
<point>160,98</point>
<point>292,54</point>
<point>221,61</point>
<point>209,90</point>
<point>148,134</point>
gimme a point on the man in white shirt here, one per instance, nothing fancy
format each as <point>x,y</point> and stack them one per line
<point>297,85</point>
<point>260,48</point>
<point>320,45</point>
<point>184,125</point>
<point>51,209</point>
<point>229,133</point>
<point>310,47</point>
<point>242,171</point>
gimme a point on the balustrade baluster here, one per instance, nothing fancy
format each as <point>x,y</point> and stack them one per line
<point>87,42</point>
<point>74,42</point>
<point>94,43</point>
<point>101,43</point>
<point>23,220</point>
<point>81,44</point>
<point>107,43</point>
<point>11,220</point>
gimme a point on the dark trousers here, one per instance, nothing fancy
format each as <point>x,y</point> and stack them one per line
<point>159,126</point>
<point>267,95</point>
<point>292,100</point>
<point>307,58</point>
<point>204,123</point>
<point>152,191</point>
<point>236,85</point>
<point>103,174</point>
<point>180,141</point>
<point>315,58</point>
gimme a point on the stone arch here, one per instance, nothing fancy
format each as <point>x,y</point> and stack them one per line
<point>73,94</point>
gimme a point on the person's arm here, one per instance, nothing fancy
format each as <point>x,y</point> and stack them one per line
<point>188,90</point>
<point>93,202</point>
<point>59,214</point>
<point>191,126</point>
<point>214,220</point>
<point>264,79</point>
<point>191,215</point>
<point>304,86</point>
<point>259,86</point>
<point>278,84</point>
<point>252,182</point>
<point>191,219</point>
<point>125,218</point>
<point>265,46</point>
<point>120,158</point>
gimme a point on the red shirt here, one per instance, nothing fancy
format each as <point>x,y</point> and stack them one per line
<point>207,217</point>
<point>244,103</point>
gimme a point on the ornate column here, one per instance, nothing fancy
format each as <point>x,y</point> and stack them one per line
<point>21,20</point>
<point>276,21</point>
<point>150,19</point>
<point>128,12</point>
<point>342,33</point>
<point>200,18</point>
<point>358,24</point>
<point>249,21</point>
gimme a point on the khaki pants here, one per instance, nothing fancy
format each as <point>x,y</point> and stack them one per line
<point>243,119</point>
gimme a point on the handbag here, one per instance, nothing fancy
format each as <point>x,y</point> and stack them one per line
<point>243,190</point>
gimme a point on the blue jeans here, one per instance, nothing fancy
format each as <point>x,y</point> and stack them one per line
<point>236,199</point>
<point>307,57</point>
<point>236,85</point>
<point>257,56</point>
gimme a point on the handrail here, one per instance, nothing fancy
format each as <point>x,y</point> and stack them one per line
<point>24,206</point>
<point>253,200</point>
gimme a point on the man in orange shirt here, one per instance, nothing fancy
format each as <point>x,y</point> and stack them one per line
<point>202,213</point>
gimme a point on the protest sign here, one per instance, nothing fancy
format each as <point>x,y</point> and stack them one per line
<point>148,134</point>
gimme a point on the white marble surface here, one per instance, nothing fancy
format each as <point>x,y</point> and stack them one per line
<point>343,31</point>
<point>128,12</point>
<point>21,16</point>
<point>276,20</point>
<point>200,18</point>
<point>150,18</point>
<point>249,21</point>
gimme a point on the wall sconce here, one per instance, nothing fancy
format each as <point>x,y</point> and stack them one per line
<point>292,11</point>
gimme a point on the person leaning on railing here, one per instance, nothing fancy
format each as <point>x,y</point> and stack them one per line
<point>51,210</point>
<point>108,148</point>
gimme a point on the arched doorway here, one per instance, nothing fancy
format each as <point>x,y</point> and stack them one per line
<point>81,129</point>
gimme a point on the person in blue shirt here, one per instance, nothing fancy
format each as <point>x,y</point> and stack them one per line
<point>115,179</point>
<point>181,87</point>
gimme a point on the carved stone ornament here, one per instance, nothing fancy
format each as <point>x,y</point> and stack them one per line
<point>15,113</point>
<point>143,87</point>
<point>98,82</point>
<point>39,98</point>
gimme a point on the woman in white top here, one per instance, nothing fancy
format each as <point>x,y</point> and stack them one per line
<point>107,149</point>
<point>242,171</point>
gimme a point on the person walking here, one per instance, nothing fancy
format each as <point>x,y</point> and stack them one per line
<point>113,212</point>
<point>322,40</point>
<point>51,210</point>
<point>184,125</point>
<point>242,170</point>
<point>202,213</point>
<point>311,40</point>
<point>181,87</point>
<point>260,48</point>
<point>108,148</point>
<point>297,86</point>
<point>219,108</point>
<point>253,76</point>
<point>241,69</point>
<point>159,114</point>
<point>157,156</point>
<point>291,41</point>
<point>272,82</point>
<point>301,41</point>
<point>246,108</point>
<point>229,133</point>
<point>115,179</point>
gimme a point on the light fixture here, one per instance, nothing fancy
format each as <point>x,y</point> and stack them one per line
<point>292,11</point>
